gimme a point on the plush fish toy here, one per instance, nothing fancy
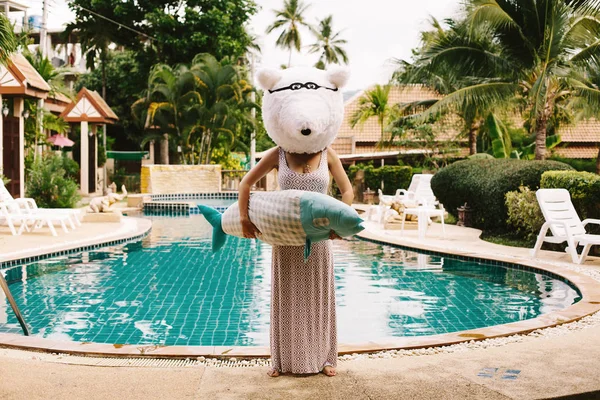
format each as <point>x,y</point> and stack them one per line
<point>286,218</point>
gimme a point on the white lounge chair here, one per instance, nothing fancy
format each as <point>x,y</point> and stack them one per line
<point>419,191</point>
<point>29,206</point>
<point>10,218</point>
<point>11,212</point>
<point>424,213</point>
<point>564,223</point>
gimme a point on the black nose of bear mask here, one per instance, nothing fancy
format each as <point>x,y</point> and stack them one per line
<point>305,132</point>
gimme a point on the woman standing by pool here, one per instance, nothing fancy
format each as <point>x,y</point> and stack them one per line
<point>303,319</point>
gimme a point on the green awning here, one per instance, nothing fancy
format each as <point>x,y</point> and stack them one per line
<point>127,155</point>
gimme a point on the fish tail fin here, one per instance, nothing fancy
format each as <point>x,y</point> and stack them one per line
<point>307,249</point>
<point>214,218</point>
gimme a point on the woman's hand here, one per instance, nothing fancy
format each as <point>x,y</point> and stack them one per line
<point>249,230</point>
<point>334,236</point>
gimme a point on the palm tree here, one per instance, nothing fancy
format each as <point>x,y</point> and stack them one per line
<point>290,18</point>
<point>446,78</point>
<point>225,107</point>
<point>171,104</point>
<point>8,41</point>
<point>198,107</point>
<point>543,46</point>
<point>328,44</point>
<point>374,103</point>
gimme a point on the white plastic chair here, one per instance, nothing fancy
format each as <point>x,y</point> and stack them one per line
<point>12,212</point>
<point>29,206</point>
<point>564,224</point>
<point>10,218</point>
<point>424,213</point>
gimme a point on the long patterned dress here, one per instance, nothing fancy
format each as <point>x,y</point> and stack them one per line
<point>303,322</point>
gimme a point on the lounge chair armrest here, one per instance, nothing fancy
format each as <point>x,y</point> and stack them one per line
<point>590,221</point>
<point>551,222</point>
<point>27,201</point>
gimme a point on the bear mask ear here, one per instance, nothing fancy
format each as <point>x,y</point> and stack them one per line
<point>338,76</point>
<point>267,78</point>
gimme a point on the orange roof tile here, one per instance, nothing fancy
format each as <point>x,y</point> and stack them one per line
<point>108,112</point>
<point>19,78</point>
<point>33,78</point>
<point>583,132</point>
<point>370,131</point>
<point>576,152</point>
<point>89,106</point>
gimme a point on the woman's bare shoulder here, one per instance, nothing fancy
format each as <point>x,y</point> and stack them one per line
<point>272,157</point>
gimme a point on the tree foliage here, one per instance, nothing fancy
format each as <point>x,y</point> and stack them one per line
<point>539,53</point>
<point>199,106</point>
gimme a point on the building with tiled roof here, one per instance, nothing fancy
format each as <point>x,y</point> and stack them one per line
<point>364,139</point>
<point>580,140</point>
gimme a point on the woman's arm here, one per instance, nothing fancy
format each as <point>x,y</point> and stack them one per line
<point>340,177</point>
<point>264,166</point>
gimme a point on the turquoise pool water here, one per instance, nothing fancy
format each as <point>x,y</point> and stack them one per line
<point>168,289</point>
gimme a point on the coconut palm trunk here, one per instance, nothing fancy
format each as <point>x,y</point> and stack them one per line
<point>541,128</point>
<point>164,149</point>
<point>473,139</point>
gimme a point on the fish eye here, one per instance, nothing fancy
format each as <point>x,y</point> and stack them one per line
<point>296,86</point>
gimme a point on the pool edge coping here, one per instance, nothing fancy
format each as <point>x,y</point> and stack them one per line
<point>587,287</point>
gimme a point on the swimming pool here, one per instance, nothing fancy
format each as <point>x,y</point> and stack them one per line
<point>168,289</point>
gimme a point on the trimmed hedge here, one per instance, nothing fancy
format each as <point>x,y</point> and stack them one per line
<point>484,183</point>
<point>524,212</point>
<point>394,177</point>
<point>584,188</point>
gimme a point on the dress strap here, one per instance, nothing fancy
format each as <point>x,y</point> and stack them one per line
<point>282,160</point>
<point>323,159</point>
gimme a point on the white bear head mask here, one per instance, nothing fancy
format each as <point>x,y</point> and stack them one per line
<point>303,108</point>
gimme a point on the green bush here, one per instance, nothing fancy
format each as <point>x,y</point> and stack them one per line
<point>394,177</point>
<point>71,168</point>
<point>588,165</point>
<point>524,212</point>
<point>119,177</point>
<point>49,184</point>
<point>584,188</point>
<point>483,184</point>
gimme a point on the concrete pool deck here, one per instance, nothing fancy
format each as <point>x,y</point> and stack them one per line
<point>549,367</point>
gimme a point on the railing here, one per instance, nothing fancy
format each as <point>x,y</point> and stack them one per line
<point>13,304</point>
<point>231,178</point>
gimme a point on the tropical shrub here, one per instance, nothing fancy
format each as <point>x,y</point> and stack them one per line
<point>71,168</point>
<point>394,177</point>
<point>524,212</point>
<point>49,183</point>
<point>588,165</point>
<point>483,185</point>
<point>118,177</point>
<point>584,188</point>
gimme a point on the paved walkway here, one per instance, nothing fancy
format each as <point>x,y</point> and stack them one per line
<point>548,367</point>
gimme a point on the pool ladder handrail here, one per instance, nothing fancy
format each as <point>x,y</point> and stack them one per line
<point>13,304</point>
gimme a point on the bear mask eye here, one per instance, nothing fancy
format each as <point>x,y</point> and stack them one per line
<point>298,86</point>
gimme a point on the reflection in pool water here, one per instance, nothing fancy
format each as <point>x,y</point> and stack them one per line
<point>169,289</point>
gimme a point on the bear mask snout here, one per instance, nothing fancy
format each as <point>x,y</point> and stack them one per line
<point>306,131</point>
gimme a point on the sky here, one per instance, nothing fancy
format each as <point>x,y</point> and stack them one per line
<point>377,31</point>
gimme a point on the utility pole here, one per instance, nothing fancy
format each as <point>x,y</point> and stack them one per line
<point>253,113</point>
<point>43,49</point>
<point>44,29</point>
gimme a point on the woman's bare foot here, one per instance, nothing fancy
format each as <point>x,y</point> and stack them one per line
<point>273,373</point>
<point>329,370</point>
